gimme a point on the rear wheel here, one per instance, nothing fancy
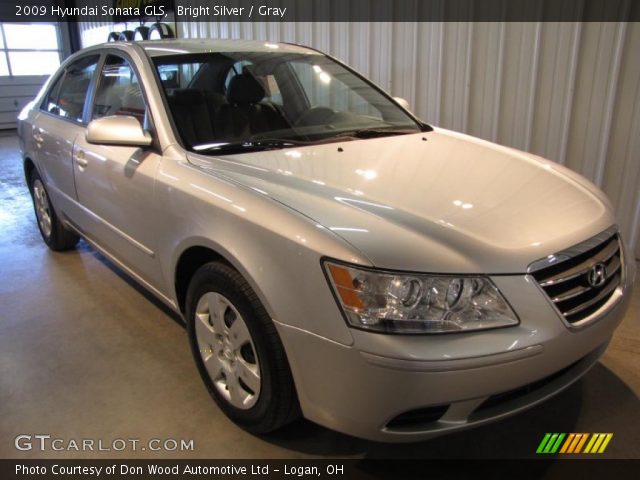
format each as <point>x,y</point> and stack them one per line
<point>238,351</point>
<point>53,232</point>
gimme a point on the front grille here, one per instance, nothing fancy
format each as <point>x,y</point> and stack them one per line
<point>579,284</point>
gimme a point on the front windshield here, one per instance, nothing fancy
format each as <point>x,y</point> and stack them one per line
<point>224,102</point>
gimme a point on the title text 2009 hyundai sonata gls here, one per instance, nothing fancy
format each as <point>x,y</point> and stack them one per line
<point>332,255</point>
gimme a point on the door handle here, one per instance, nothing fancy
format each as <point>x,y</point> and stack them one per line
<point>81,160</point>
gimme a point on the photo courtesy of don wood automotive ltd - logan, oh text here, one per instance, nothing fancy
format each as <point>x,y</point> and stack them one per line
<point>352,239</point>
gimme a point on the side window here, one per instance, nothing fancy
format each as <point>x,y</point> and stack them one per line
<point>51,101</point>
<point>118,91</point>
<point>68,95</point>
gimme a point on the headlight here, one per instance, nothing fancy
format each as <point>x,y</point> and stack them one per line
<point>406,303</point>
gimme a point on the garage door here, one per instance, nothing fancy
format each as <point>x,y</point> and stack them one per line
<point>29,53</point>
<point>15,93</point>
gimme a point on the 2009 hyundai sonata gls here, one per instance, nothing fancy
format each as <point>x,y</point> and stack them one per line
<point>332,255</point>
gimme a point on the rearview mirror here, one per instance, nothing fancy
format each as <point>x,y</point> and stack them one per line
<point>403,103</point>
<point>118,130</point>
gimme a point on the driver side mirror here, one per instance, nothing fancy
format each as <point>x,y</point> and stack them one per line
<point>403,103</point>
<point>118,130</point>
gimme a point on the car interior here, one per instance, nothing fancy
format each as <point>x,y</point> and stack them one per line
<point>67,97</point>
<point>118,91</point>
<point>239,98</point>
<point>222,101</point>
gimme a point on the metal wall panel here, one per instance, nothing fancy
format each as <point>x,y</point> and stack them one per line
<point>566,91</point>
<point>15,93</point>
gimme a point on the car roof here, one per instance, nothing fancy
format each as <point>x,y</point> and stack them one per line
<point>158,48</point>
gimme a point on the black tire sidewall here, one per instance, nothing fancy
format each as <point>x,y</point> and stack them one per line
<point>143,30</point>
<point>60,238</point>
<point>126,36</point>
<point>54,219</point>
<point>218,279</point>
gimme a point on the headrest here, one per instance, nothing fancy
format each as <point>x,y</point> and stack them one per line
<point>187,96</point>
<point>244,89</point>
<point>216,99</point>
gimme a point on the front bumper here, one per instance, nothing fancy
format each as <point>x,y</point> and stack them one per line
<point>397,388</point>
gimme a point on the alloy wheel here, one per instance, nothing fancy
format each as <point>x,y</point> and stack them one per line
<point>227,350</point>
<point>43,212</point>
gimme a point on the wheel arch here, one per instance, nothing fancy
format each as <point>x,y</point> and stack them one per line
<point>189,261</point>
<point>29,167</point>
<point>198,252</point>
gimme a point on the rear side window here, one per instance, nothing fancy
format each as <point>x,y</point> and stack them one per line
<point>68,94</point>
<point>119,91</point>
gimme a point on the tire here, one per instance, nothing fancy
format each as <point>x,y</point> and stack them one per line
<point>259,406</point>
<point>126,36</point>
<point>141,33</point>
<point>159,31</point>
<point>54,233</point>
<point>113,37</point>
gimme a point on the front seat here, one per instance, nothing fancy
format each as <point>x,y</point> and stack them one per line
<point>192,116</point>
<point>244,114</point>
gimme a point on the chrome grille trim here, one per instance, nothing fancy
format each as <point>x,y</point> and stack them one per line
<point>563,277</point>
<point>604,293</point>
<point>572,251</point>
<point>604,255</point>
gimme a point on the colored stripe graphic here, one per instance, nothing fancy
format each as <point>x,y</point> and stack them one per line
<point>547,448</point>
<point>598,443</point>
<point>591,442</point>
<point>550,443</point>
<point>606,441</point>
<point>581,442</point>
<point>574,442</point>
<point>567,443</point>
<point>556,445</point>
<point>543,443</point>
<point>578,438</point>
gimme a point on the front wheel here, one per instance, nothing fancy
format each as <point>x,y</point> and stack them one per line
<point>53,232</point>
<point>238,352</point>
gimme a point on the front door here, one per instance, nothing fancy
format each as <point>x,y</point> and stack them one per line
<point>115,184</point>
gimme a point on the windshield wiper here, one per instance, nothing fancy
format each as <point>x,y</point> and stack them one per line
<point>244,146</point>
<point>374,132</point>
<point>261,144</point>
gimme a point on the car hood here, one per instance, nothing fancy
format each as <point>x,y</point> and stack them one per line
<point>433,202</point>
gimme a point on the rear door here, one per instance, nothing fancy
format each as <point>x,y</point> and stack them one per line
<point>116,183</point>
<point>56,127</point>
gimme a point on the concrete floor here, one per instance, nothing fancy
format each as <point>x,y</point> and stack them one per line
<point>86,353</point>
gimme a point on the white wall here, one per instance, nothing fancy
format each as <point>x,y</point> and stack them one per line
<point>567,91</point>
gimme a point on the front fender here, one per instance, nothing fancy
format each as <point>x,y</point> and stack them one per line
<point>276,249</point>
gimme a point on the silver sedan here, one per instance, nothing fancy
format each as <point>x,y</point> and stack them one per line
<point>332,255</point>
